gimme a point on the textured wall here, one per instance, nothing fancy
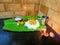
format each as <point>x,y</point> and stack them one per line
<point>9,8</point>
<point>51,8</point>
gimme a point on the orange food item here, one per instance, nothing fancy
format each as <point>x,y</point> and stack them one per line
<point>32,22</point>
<point>22,22</point>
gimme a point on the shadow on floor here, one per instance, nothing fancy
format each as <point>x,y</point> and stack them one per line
<point>26,38</point>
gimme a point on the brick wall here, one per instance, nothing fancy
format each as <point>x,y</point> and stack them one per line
<point>9,8</point>
<point>51,8</point>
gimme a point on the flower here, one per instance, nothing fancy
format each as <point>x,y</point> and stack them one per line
<point>33,26</point>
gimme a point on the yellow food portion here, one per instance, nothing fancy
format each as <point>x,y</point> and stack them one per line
<point>22,22</point>
<point>32,22</point>
<point>31,18</point>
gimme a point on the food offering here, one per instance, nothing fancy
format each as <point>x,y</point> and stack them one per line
<point>24,23</point>
<point>32,23</point>
<point>19,20</point>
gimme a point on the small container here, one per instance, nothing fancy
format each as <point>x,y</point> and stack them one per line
<point>18,18</point>
<point>44,19</point>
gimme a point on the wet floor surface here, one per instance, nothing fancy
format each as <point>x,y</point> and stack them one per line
<point>26,38</point>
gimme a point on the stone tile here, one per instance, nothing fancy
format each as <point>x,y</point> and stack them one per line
<point>54,25</point>
<point>50,3</point>
<point>44,9</point>
<point>55,15</point>
<point>26,1</point>
<point>27,7</point>
<point>44,2</point>
<point>6,14</point>
<point>2,7</point>
<point>40,14</point>
<point>50,13</point>
<point>13,7</point>
<point>33,1</point>
<point>17,1</point>
<point>19,13</point>
<point>36,7</point>
<point>5,0</point>
<point>58,9</point>
<point>32,12</point>
<point>53,4</point>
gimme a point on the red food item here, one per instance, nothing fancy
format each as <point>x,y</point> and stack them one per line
<point>46,34</point>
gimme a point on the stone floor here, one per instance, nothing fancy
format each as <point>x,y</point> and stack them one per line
<point>26,38</point>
